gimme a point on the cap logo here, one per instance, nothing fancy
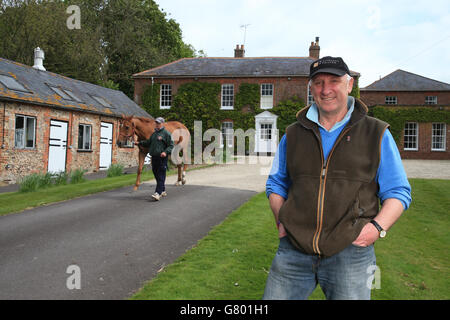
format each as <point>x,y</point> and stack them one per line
<point>316,64</point>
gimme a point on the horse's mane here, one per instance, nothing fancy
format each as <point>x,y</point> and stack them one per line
<point>143,119</point>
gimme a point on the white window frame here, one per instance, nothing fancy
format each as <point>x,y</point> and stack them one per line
<point>266,96</point>
<point>390,100</point>
<point>442,136</point>
<point>266,131</point>
<point>227,134</point>
<point>227,97</point>
<point>20,135</point>
<point>430,100</point>
<point>86,137</point>
<point>165,96</point>
<point>407,134</point>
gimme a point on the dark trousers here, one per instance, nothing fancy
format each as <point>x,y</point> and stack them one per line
<point>159,167</point>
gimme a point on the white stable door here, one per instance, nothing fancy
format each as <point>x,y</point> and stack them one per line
<point>106,139</point>
<point>57,146</point>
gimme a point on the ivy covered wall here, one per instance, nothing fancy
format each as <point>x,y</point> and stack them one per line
<point>398,116</point>
<point>200,101</point>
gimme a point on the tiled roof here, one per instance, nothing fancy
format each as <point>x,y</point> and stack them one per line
<point>400,80</point>
<point>79,95</point>
<point>232,67</point>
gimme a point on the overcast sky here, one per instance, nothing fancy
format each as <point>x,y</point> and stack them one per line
<point>375,37</point>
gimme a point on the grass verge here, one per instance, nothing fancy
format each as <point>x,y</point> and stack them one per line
<point>233,260</point>
<point>13,202</point>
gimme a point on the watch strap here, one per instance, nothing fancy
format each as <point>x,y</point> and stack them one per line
<point>379,228</point>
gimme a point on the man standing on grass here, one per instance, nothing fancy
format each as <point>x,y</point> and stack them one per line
<point>160,146</point>
<point>333,167</point>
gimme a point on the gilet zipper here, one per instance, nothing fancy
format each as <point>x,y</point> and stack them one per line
<point>320,199</point>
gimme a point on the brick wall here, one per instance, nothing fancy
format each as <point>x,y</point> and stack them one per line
<point>16,163</point>
<point>372,98</point>
<point>417,99</point>
<point>424,145</point>
<point>283,87</point>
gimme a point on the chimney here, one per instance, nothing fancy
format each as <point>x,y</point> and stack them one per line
<point>239,52</point>
<point>314,49</point>
<point>39,59</point>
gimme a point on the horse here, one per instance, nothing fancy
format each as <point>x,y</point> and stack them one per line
<point>143,128</point>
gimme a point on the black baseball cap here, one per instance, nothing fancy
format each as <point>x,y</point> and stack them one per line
<point>333,65</point>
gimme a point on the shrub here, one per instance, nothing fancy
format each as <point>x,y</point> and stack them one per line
<point>29,183</point>
<point>60,178</point>
<point>35,182</point>
<point>77,176</point>
<point>115,170</point>
<point>46,180</point>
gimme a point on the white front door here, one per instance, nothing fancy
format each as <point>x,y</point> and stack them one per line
<point>57,146</point>
<point>106,135</point>
<point>265,137</point>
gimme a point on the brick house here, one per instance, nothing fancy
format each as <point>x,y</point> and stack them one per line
<point>406,90</point>
<point>51,123</point>
<point>279,78</point>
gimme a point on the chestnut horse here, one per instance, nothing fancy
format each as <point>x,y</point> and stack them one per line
<point>143,128</point>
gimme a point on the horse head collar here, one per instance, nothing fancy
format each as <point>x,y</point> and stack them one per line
<point>126,130</point>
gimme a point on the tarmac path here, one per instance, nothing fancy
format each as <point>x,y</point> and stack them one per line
<point>110,243</point>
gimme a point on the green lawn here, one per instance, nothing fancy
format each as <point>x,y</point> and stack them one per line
<point>233,260</point>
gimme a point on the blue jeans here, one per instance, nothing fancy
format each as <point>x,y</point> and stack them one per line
<point>343,276</point>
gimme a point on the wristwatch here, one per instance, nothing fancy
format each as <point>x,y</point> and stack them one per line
<point>379,228</point>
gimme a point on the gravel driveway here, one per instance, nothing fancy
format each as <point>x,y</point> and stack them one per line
<point>427,169</point>
<point>251,173</point>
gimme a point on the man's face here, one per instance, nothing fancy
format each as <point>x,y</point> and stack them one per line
<point>330,92</point>
<point>158,125</point>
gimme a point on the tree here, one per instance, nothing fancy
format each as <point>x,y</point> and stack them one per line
<point>137,36</point>
<point>116,39</point>
<point>25,25</point>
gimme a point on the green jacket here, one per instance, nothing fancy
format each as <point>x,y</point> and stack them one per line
<point>160,141</point>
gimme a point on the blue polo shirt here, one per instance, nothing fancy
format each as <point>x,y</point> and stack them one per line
<point>391,176</point>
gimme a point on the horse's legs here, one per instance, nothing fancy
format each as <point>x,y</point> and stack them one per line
<point>179,175</point>
<point>142,156</point>
<point>184,173</point>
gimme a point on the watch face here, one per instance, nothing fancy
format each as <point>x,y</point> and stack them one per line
<point>382,234</point>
